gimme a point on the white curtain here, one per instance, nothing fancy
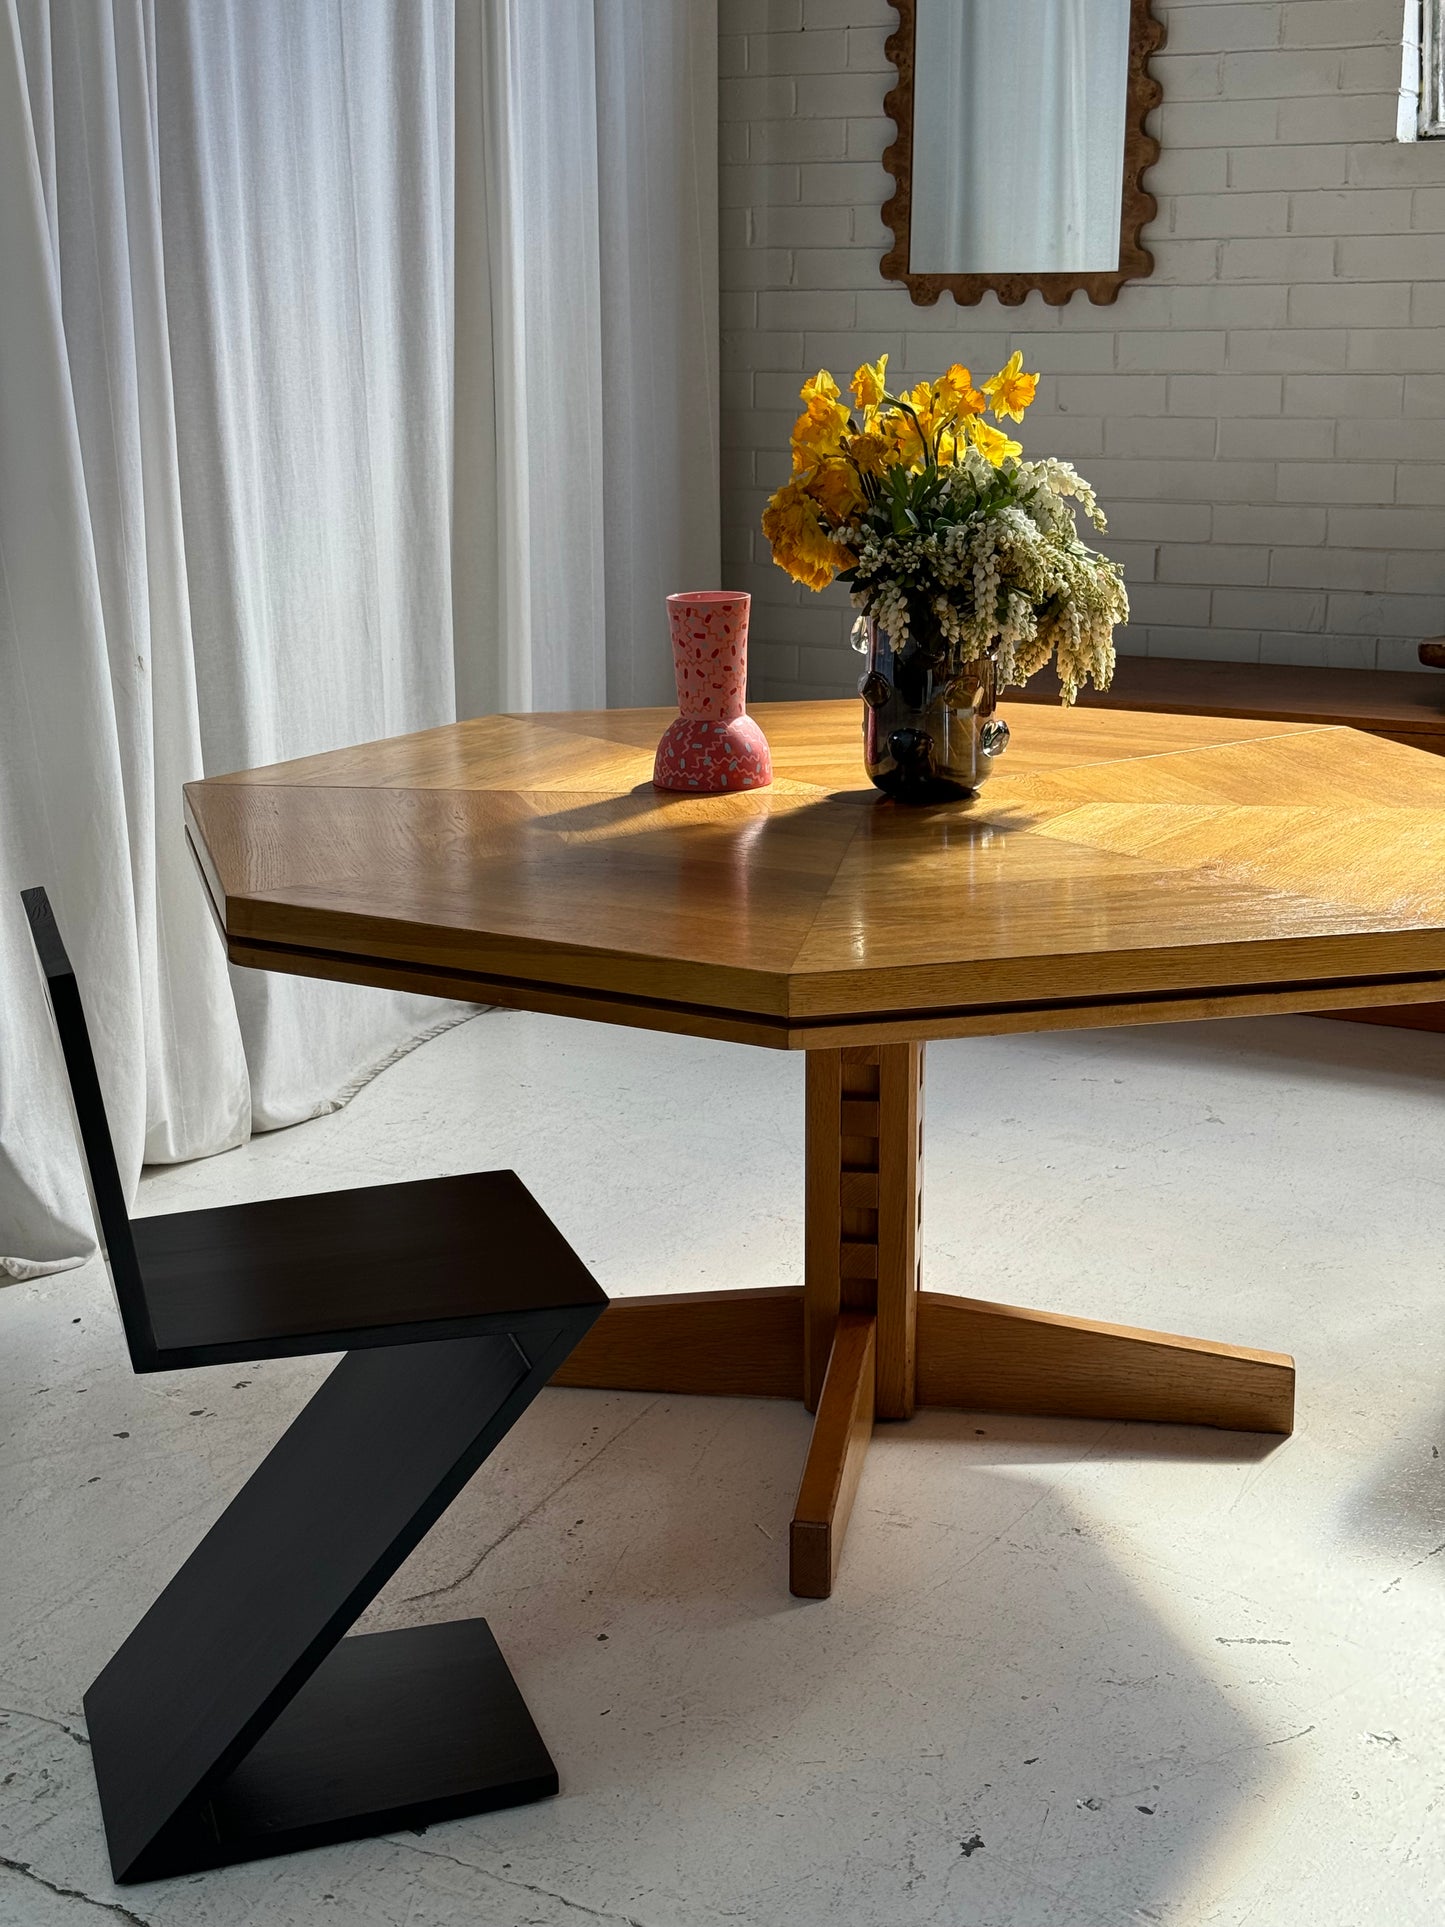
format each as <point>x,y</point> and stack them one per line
<point>587,338</point>
<point>1018,135</point>
<point>657,174</point>
<point>316,331</point>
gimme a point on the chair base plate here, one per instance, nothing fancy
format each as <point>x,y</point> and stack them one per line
<point>394,1729</point>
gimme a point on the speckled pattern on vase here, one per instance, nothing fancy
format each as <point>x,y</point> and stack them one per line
<point>712,745</point>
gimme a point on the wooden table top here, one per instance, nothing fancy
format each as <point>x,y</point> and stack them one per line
<point>1118,867</point>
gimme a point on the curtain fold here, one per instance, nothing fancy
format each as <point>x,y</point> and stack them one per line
<point>528,575</point>
<point>98,724</point>
<point>587,482</point>
<point>657,218</point>
<point>339,393</point>
<point>306,175</point>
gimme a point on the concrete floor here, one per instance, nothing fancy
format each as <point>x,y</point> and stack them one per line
<point>1074,1674</point>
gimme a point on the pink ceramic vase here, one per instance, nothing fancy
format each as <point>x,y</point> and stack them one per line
<point>712,746</point>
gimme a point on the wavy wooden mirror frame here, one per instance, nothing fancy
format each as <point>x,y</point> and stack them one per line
<point>1141,150</point>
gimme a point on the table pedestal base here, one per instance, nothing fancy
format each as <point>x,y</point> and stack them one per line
<point>860,1341</point>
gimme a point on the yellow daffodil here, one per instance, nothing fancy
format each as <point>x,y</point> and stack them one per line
<point>901,439</point>
<point>922,401</point>
<point>868,383</point>
<point>1011,390</point>
<point>799,541</point>
<point>956,393</point>
<point>834,487</point>
<point>818,433</point>
<point>992,443</point>
<point>872,450</point>
<point>896,488</point>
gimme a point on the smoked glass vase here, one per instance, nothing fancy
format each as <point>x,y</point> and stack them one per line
<point>930,734</point>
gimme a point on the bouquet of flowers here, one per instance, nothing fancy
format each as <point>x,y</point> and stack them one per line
<point>947,535</point>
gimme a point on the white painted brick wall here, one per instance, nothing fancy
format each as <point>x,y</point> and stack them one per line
<point>1264,417</point>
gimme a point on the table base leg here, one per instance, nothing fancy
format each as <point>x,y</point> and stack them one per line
<point>714,1344</point>
<point>1001,1358</point>
<point>841,1431</point>
<point>971,1355</point>
<point>860,1341</point>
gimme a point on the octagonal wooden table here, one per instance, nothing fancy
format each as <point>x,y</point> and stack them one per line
<point>1118,869</point>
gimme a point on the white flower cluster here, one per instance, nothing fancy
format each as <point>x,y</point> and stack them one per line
<point>1010,578</point>
<point>1048,482</point>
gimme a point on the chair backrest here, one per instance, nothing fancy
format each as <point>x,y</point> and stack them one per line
<point>107,1198</point>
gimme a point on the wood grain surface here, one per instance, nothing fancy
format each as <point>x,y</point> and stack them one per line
<point>1119,867</point>
<point>1001,1358</point>
<point>864,1150</point>
<point>1402,706</point>
<point>834,1464</point>
<point>717,1344</point>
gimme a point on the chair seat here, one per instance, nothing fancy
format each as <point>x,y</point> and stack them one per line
<point>385,1264</point>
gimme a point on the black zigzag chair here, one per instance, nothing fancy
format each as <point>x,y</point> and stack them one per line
<point>236,1720</point>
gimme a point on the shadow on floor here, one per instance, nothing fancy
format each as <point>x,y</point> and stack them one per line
<point>1398,1512</point>
<point>988,1720</point>
<point>1009,1438</point>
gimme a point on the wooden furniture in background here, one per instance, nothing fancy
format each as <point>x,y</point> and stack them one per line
<point>1117,869</point>
<point>1402,705</point>
<point>236,1721</point>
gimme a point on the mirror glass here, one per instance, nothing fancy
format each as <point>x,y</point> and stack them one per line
<point>1018,135</point>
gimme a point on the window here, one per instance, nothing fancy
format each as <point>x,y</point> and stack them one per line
<point>1432,70</point>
